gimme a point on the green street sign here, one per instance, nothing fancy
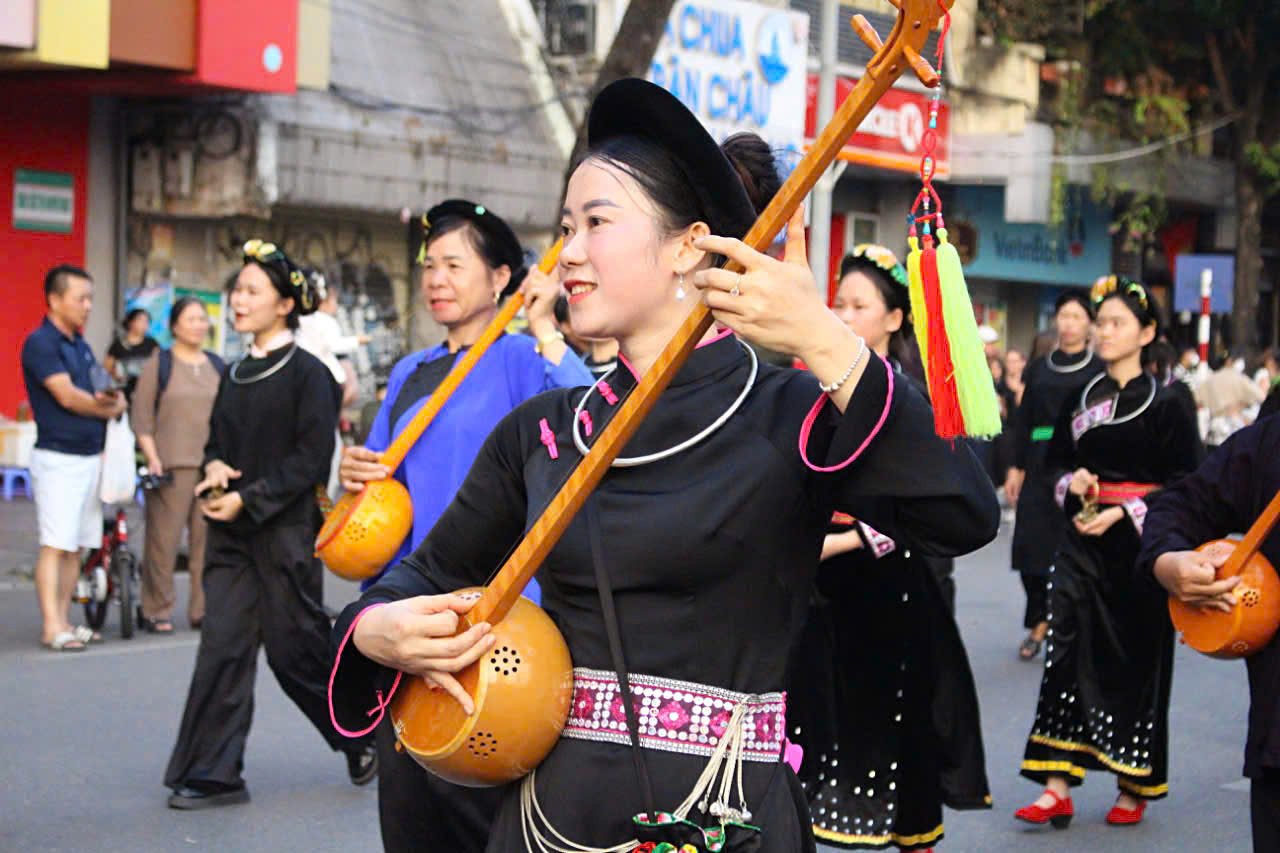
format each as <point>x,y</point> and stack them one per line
<point>43,201</point>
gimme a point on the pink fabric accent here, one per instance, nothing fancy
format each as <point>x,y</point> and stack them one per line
<point>880,544</point>
<point>793,754</point>
<point>381,708</point>
<point>674,716</point>
<point>585,417</point>
<point>548,438</point>
<point>607,392</point>
<point>1060,490</point>
<point>1136,509</point>
<point>812,417</point>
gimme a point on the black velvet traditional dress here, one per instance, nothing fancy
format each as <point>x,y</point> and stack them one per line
<point>1038,531</point>
<point>882,699</point>
<point>711,555</point>
<point>1104,698</point>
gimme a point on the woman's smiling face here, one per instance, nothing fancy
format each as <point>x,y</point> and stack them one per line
<point>617,268</point>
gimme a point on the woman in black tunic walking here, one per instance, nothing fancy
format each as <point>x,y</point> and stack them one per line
<point>881,696</point>
<point>270,441</point>
<point>1038,530</point>
<point>708,528</point>
<point>1104,698</point>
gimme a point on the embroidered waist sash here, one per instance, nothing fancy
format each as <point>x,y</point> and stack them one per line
<point>675,716</point>
<point>1114,494</point>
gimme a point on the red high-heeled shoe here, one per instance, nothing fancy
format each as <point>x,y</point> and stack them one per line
<point>1059,814</point>
<point>1126,817</point>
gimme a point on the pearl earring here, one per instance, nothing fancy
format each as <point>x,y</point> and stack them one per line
<point>680,289</point>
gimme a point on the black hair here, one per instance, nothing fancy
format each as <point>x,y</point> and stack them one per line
<point>1161,356</point>
<point>1080,296</point>
<point>485,244</point>
<point>132,315</point>
<point>561,309</point>
<point>669,186</point>
<point>753,160</point>
<point>58,279</point>
<point>278,274</point>
<point>175,313</point>
<point>896,297</point>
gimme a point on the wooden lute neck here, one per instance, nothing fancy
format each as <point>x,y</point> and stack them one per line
<point>1253,538</point>
<point>916,19</point>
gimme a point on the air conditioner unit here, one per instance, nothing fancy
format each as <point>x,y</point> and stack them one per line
<point>570,27</point>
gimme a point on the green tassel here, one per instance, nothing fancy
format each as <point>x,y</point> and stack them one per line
<point>978,404</point>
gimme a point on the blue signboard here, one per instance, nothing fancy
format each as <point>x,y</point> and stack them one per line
<point>1186,282</point>
<point>1074,253</point>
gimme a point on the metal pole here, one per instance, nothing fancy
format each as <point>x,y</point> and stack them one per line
<point>820,197</point>
<point>1206,291</point>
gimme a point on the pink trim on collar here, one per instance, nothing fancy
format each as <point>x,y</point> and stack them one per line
<point>716,338</point>
<point>381,708</point>
<point>812,417</point>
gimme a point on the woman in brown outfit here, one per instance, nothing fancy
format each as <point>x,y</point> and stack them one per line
<point>170,414</point>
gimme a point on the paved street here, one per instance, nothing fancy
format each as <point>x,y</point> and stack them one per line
<point>84,740</point>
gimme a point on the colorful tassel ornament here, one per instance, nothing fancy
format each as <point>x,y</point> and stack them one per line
<point>960,384</point>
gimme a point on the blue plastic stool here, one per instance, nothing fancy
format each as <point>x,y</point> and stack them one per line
<point>11,477</point>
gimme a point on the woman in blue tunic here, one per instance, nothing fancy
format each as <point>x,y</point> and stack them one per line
<point>470,259</point>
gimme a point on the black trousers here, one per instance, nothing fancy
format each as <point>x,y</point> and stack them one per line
<point>419,812</point>
<point>1264,811</point>
<point>261,589</point>
<point>1037,589</point>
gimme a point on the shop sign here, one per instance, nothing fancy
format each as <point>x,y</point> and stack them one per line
<point>738,66</point>
<point>1186,282</point>
<point>1074,253</point>
<point>891,135</point>
<point>43,201</point>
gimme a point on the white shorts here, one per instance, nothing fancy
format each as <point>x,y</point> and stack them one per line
<point>68,511</point>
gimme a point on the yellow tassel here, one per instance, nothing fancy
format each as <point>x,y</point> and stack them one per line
<point>915,290</point>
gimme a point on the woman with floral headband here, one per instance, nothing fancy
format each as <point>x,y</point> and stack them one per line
<point>881,659</point>
<point>271,438</point>
<point>1104,697</point>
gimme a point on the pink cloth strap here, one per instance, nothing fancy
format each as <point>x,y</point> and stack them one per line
<point>381,707</point>
<point>812,418</point>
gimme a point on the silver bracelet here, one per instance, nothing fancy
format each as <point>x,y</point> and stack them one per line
<point>835,386</point>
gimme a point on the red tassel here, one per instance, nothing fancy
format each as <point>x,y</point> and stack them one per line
<point>947,419</point>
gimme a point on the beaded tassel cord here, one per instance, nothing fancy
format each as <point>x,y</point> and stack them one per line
<point>960,386</point>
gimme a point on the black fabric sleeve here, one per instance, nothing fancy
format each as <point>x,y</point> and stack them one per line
<point>485,520</point>
<point>307,464</point>
<point>1019,427</point>
<point>1216,499</point>
<point>942,502</point>
<point>212,446</point>
<point>356,680</point>
<point>1060,458</point>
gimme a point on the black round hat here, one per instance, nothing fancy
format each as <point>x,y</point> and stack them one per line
<point>635,107</point>
<point>493,226</point>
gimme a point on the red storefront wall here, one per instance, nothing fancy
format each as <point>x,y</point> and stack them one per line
<point>46,131</point>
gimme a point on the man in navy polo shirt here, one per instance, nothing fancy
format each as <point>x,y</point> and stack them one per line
<point>70,430</point>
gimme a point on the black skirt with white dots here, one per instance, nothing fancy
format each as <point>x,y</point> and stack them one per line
<point>882,700</point>
<point>1104,698</point>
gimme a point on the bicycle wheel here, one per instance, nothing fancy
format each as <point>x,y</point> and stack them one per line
<point>125,566</point>
<point>94,580</point>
